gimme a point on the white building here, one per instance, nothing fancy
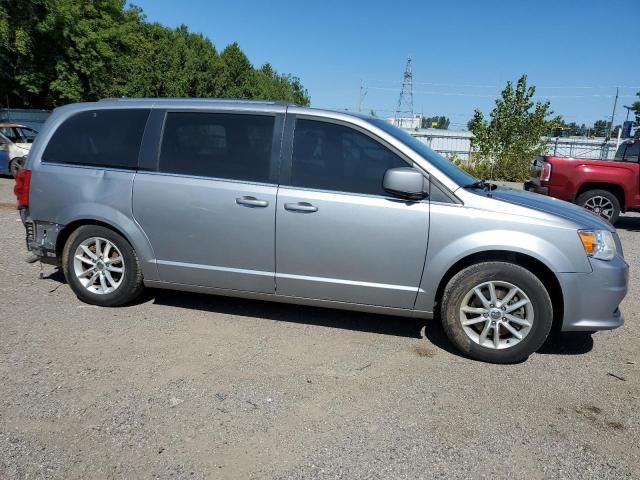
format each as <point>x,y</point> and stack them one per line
<point>409,123</point>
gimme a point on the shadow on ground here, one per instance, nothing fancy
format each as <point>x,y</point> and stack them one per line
<point>575,343</point>
<point>631,224</point>
<point>557,344</point>
<point>281,312</point>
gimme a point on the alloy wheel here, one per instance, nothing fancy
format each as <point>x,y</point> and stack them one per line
<point>98,265</point>
<point>496,314</point>
<point>600,205</point>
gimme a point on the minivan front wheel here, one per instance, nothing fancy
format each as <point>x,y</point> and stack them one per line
<point>496,312</point>
<point>101,266</point>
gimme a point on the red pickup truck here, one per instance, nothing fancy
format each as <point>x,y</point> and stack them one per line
<point>607,187</point>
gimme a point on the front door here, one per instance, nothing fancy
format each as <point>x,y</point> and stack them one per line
<point>339,235</point>
<point>209,209</point>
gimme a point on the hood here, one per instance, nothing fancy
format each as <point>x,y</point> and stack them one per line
<point>542,203</point>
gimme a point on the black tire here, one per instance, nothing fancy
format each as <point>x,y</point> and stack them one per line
<point>131,284</point>
<point>594,194</point>
<point>15,165</point>
<point>465,281</point>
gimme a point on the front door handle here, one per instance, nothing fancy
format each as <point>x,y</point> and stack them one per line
<point>300,207</point>
<point>252,202</point>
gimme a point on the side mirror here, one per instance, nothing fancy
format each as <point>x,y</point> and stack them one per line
<point>405,182</point>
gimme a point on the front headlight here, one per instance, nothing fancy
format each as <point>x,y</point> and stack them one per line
<point>598,243</point>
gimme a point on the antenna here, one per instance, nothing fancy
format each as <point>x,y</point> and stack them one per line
<point>405,102</point>
<point>363,93</point>
<point>493,162</point>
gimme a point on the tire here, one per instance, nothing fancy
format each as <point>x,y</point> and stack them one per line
<point>537,312</point>
<point>15,165</point>
<point>594,200</point>
<point>117,282</point>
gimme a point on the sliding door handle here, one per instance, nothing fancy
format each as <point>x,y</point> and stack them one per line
<point>251,202</point>
<point>303,207</point>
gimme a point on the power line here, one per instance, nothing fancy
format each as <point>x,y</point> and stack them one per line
<point>486,95</point>
<point>468,85</point>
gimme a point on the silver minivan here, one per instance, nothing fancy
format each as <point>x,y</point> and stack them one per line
<point>272,201</point>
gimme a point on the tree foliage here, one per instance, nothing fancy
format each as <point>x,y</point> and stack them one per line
<point>636,108</point>
<point>440,122</point>
<point>514,133</point>
<point>54,52</point>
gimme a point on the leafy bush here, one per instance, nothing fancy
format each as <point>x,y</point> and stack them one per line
<point>513,135</point>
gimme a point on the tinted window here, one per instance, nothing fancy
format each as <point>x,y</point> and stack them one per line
<point>103,138</point>
<point>218,145</point>
<point>447,167</point>
<point>629,151</point>
<point>327,156</point>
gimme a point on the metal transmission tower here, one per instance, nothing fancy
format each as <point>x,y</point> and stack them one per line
<point>404,112</point>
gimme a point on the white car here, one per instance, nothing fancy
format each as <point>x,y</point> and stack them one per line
<point>16,141</point>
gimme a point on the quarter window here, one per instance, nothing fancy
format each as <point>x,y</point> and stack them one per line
<point>102,138</point>
<point>632,151</point>
<point>218,145</point>
<point>328,156</point>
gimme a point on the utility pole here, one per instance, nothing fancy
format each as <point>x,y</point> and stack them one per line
<point>405,102</point>
<point>613,115</point>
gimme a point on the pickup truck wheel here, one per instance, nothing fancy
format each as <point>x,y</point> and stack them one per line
<point>496,312</point>
<point>101,267</point>
<point>602,202</point>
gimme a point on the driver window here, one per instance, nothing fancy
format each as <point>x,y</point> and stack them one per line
<point>328,156</point>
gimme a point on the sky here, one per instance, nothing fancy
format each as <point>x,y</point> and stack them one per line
<point>463,52</point>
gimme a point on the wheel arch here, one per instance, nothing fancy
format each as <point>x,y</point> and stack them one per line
<point>612,188</point>
<point>126,228</point>
<point>532,264</point>
<point>68,229</point>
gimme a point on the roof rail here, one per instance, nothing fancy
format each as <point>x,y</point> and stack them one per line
<point>195,99</point>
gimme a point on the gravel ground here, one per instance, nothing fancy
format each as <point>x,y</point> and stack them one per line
<point>189,386</point>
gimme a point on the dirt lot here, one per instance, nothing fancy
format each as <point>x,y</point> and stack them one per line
<point>190,386</point>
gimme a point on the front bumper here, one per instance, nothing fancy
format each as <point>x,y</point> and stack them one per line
<point>591,300</point>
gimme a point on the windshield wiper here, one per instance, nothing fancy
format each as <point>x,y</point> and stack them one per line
<point>483,184</point>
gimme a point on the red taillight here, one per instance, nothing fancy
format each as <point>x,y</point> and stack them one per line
<point>21,189</point>
<point>546,172</point>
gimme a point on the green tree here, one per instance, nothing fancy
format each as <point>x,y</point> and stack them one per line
<point>440,122</point>
<point>514,133</point>
<point>636,108</point>
<point>59,51</point>
<point>600,128</point>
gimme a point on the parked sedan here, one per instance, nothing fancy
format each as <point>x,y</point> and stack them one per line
<point>15,143</point>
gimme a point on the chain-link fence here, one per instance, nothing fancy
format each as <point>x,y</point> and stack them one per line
<point>458,144</point>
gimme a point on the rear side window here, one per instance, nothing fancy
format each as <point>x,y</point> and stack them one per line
<point>218,145</point>
<point>630,151</point>
<point>333,157</point>
<point>101,138</point>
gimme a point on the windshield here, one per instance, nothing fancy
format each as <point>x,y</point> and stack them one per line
<point>459,176</point>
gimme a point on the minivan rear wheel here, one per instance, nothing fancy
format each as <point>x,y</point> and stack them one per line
<point>496,312</point>
<point>101,266</point>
